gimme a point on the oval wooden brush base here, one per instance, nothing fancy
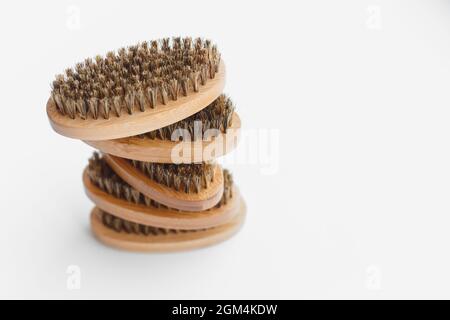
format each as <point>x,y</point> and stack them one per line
<point>139,122</point>
<point>203,200</point>
<point>157,150</point>
<point>163,218</point>
<point>166,242</point>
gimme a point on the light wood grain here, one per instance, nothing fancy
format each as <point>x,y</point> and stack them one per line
<point>164,218</point>
<point>167,242</point>
<point>203,200</point>
<point>161,151</point>
<point>139,122</point>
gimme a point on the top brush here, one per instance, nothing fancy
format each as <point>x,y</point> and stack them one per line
<point>136,90</point>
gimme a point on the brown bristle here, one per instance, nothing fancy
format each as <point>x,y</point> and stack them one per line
<point>227,187</point>
<point>136,78</point>
<point>101,175</point>
<point>217,115</point>
<point>188,178</point>
<point>121,225</point>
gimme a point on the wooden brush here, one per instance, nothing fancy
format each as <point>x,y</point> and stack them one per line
<point>136,90</point>
<point>112,194</point>
<point>189,187</point>
<point>204,136</point>
<point>126,235</point>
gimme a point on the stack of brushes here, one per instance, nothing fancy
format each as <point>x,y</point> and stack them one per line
<point>157,115</point>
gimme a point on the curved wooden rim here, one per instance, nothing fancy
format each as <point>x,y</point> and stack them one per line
<point>205,199</point>
<point>161,150</point>
<point>168,242</point>
<point>163,218</point>
<point>139,122</point>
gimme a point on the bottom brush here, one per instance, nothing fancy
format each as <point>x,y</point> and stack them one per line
<point>113,195</point>
<point>126,235</point>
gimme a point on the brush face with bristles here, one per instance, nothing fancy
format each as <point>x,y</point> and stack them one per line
<point>121,225</point>
<point>144,76</point>
<point>216,116</point>
<point>187,178</point>
<point>136,89</point>
<point>101,175</point>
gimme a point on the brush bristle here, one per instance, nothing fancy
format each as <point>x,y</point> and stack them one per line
<point>217,115</point>
<point>136,78</point>
<point>121,225</point>
<point>102,176</point>
<point>188,178</point>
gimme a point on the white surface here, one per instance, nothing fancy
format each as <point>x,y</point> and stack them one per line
<point>359,206</point>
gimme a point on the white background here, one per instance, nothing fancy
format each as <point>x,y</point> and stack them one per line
<point>358,206</point>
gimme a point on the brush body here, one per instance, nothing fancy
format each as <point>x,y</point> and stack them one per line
<point>164,240</point>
